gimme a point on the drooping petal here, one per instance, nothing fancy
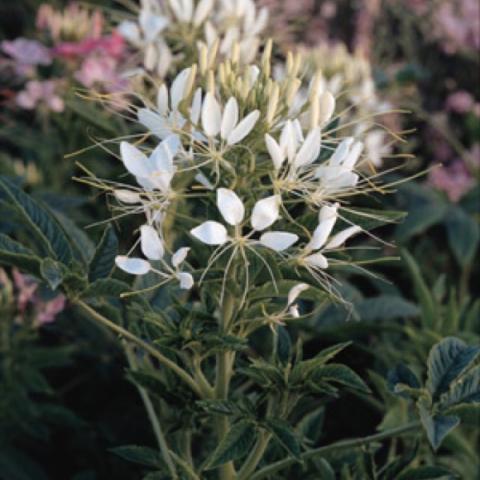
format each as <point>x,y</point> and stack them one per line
<point>196,106</point>
<point>317,260</point>
<point>295,292</point>
<point>177,90</point>
<point>243,128</point>
<point>211,115</point>
<point>276,153</point>
<point>229,118</point>
<point>327,218</point>
<point>341,237</point>
<point>127,196</point>
<point>288,141</point>
<point>186,280</point>
<point>265,212</point>
<point>134,160</point>
<point>154,122</point>
<point>201,12</point>
<point>327,106</point>
<point>211,233</point>
<point>230,206</point>
<point>162,100</point>
<point>150,243</point>
<point>179,256</point>
<point>278,241</point>
<point>134,266</point>
<point>310,149</point>
<point>352,157</point>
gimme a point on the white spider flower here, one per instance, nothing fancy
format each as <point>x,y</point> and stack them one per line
<point>265,212</point>
<point>167,119</point>
<point>322,241</point>
<point>153,249</point>
<point>226,123</point>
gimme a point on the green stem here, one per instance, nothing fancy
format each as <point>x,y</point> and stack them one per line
<point>222,383</point>
<point>144,345</point>
<point>342,445</point>
<point>157,429</point>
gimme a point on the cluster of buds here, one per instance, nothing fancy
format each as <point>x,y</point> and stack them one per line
<point>234,161</point>
<point>171,32</point>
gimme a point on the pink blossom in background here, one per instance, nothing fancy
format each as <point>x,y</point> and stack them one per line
<point>112,45</point>
<point>454,179</point>
<point>460,102</point>
<point>38,92</point>
<point>100,70</point>
<point>43,311</point>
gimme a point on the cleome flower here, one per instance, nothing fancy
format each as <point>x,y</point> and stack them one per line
<point>152,247</point>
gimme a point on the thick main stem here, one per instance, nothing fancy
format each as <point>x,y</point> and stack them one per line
<point>342,445</point>
<point>222,383</point>
<point>144,345</point>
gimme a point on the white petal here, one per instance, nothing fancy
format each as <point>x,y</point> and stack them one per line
<point>317,260</point>
<point>154,122</point>
<point>328,217</point>
<point>150,243</point>
<point>202,11</point>
<point>278,241</point>
<point>276,153</point>
<point>288,141</point>
<point>328,211</point>
<point>211,233</point>
<point>341,152</point>
<point>230,206</point>
<point>135,266</point>
<point>196,106</point>
<point>327,106</point>
<point>293,311</point>
<point>310,149</point>
<point>353,155</point>
<point>186,280</point>
<point>265,212</point>
<point>130,31</point>
<point>134,160</point>
<point>162,100</point>
<point>211,115</point>
<point>341,237</point>
<point>203,180</point>
<point>127,196</point>
<point>161,158</point>
<point>243,128</point>
<point>179,256</point>
<point>295,292</point>
<point>177,90</point>
<point>229,118</point>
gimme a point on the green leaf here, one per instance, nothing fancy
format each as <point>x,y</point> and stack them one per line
<point>106,287</point>
<point>385,307</point>
<point>427,473</point>
<point>236,444</point>
<point>52,272</point>
<point>15,254</point>
<point>269,291</point>
<point>446,361</point>
<point>104,258</point>
<point>465,390</point>
<point>401,375</point>
<point>338,373</point>
<point>324,469</point>
<point>285,435</point>
<point>284,344</point>
<point>52,240</point>
<point>369,219</point>
<point>138,454</point>
<point>421,290</point>
<point>436,426</point>
<point>463,235</point>
<point>419,219</point>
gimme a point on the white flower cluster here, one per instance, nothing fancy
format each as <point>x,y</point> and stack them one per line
<point>167,30</point>
<point>241,164</point>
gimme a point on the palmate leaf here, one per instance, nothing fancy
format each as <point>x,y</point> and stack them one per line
<point>51,272</point>
<point>447,360</point>
<point>465,390</point>
<point>105,253</point>
<point>51,239</point>
<point>139,454</point>
<point>285,435</point>
<point>106,287</point>
<point>15,254</point>
<point>236,444</point>
<point>338,373</point>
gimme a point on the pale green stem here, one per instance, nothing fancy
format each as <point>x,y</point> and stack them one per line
<point>144,345</point>
<point>342,445</point>
<point>157,429</point>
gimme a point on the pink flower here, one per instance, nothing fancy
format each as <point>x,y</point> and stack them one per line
<point>40,92</point>
<point>100,70</point>
<point>455,180</point>
<point>47,311</point>
<point>111,45</point>
<point>460,102</point>
<point>27,52</point>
